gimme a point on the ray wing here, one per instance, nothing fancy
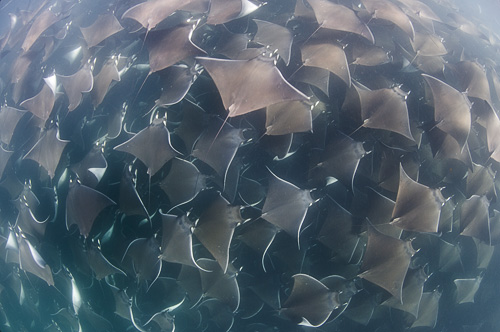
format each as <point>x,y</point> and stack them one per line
<point>151,146</point>
<point>83,205</point>
<point>248,85</point>
<point>386,262</point>
<point>105,26</point>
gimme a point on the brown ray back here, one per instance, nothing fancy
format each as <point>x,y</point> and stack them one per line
<point>83,205</point>
<point>130,202</point>
<point>42,104</point>
<point>105,26</point>
<point>417,206</point>
<point>315,76</point>
<point>103,80</point>
<point>310,303</point>
<point>386,10</point>
<point>413,288</point>
<point>365,54</point>
<point>217,146</point>
<point>474,218</point>
<point>48,150</point>
<point>288,117</point>
<point>220,285</point>
<point>223,11</point>
<point>31,261</point>
<point>386,262</point>
<point>150,13</point>
<point>167,47</point>
<point>337,17</point>
<point>385,109</point>
<point>326,55</point>
<point>41,23</point>
<point>144,255</point>
<point>286,205</point>
<point>428,310</point>
<point>467,289</point>
<point>275,37</point>
<point>427,44</point>
<point>340,160</point>
<point>248,85</point>
<point>473,80</point>
<point>80,82</point>
<point>177,240</point>
<point>183,182</point>
<point>338,233</point>
<point>215,229</point>
<point>451,109</point>
<point>151,146</point>
<point>99,264</point>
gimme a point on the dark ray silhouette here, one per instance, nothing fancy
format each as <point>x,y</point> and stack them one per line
<point>39,25</point>
<point>183,182</point>
<point>340,160</point>
<point>219,285</point>
<point>338,233</point>
<point>310,303</point>
<point>386,262</point>
<point>286,205</point>
<point>474,218</point>
<point>4,159</point>
<point>413,288</point>
<point>41,105</point>
<point>151,146</point>
<point>258,235</point>
<point>103,80</point>
<point>92,167</point>
<point>144,257</point>
<point>177,81</point>
<point>9,118</point>
<point>177,240</point>
<point>31,261</point>
<point>47,152</point>
<point>217,147</point>
<point>467,289</point>
<point>99,264</point>
<point>83,205</point>
<point>130,202</point>
<point>74,85</point>
<point>215,229</point>
<point>150,13</point>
